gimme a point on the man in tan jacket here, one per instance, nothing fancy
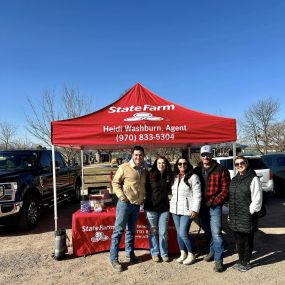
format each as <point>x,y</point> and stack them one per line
<point>129,186</point>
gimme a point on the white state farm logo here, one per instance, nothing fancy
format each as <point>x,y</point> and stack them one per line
<point>143,116</point>
<point>99,236</point>
<point>144,108</point>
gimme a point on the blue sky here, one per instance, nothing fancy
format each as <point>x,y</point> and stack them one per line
<point>214,56</point>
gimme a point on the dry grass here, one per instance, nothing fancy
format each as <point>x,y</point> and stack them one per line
<point>98,175</point>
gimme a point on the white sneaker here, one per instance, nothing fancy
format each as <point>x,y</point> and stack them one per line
<point>190,259</point>
<point>183,256</point>
<point>165,258</point>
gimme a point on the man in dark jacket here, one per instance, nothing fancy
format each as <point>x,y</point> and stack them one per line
<point>215,181</point>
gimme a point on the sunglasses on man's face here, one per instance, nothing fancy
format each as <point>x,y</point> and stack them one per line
<point>239,163</point>
<point>182,163</point>
<point>206,154</point>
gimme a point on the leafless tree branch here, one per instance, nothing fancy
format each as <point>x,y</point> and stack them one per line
<point>7,134</point>
<point>257,122</point>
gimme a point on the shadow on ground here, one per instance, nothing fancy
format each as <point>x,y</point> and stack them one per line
<point>46,223</point>
<point>269,240</point>
<point>268,245</point>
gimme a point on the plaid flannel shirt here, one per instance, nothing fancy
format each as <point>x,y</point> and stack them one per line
<point>218,184</point>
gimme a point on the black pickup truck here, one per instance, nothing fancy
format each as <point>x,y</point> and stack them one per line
<point>26,184</point>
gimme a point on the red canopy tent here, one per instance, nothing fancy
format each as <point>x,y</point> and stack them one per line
<point>141,117</point>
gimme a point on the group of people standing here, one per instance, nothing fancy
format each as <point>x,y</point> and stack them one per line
<point>194,191</point>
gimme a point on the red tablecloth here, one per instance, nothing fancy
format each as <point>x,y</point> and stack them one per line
<point>91,232</point>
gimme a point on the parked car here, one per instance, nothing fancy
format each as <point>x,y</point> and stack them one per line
<point>262,171</point>
<point>26,184</point>
<point>276,162</point>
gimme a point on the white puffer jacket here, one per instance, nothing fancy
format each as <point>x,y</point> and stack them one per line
<point>184,198</point>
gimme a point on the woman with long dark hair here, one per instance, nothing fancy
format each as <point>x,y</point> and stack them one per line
<point>156,207</point>
<point>184,206</point>
<point>245,201</point>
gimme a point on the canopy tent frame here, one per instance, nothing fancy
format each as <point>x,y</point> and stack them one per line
<point>139,114</point>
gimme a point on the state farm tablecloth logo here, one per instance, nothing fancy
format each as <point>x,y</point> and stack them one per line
<point>99,236</point>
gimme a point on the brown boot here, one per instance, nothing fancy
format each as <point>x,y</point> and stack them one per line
<point>219,266</point>
<point>209,257</point>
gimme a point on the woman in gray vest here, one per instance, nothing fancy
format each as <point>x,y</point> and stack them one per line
<point>245,201</point>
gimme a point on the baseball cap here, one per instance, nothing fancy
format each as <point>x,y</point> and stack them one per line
<point>206,148</point>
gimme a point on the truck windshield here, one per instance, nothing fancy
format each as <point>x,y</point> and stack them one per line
<point>18,160</point>
<point>256,163</point>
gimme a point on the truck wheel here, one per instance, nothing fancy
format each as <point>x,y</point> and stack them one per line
<point>29,215</point>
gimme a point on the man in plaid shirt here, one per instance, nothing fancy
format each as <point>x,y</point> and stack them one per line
<point>215,181</point>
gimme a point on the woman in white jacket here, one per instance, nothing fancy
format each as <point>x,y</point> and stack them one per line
<point>184,206</point>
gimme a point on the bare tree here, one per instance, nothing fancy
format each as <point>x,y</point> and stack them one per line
<point>277,136</point>
<point>7,134</point>
<point>41,115</point>
<point>170,153</point>
<point>24,143</point>
<point>257,122</point>
<point>72,105</point>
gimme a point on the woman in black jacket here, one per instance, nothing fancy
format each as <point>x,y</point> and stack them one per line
<point>245,201</point>
<point>156,207</point>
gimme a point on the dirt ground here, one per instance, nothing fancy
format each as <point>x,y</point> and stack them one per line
<point>26,257</point>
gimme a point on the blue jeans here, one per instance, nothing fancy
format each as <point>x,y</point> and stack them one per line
<point>126,218</point>
<point>211,223</point>
<point>158,232</point>
<point>204,219</point>
<point>182,225</point>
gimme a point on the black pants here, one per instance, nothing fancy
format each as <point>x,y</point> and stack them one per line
<point>244,242</point>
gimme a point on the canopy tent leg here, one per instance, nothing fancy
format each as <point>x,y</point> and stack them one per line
<point>54,188</point>
<point>82,174</point>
